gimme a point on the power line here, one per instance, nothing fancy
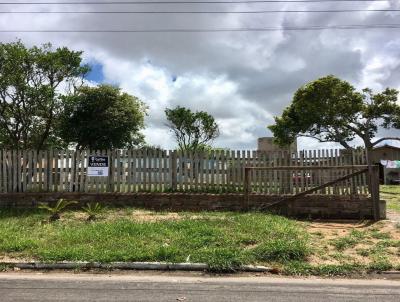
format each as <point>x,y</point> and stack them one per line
<point>199,30</point>
<point>202,12</point>
<point>180,2</point>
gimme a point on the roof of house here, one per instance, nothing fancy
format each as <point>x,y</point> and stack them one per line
<point>387,147</point>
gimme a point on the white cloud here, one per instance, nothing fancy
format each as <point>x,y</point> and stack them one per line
<point>243,79</point>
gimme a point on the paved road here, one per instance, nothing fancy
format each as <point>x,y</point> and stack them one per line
<point>70,287</point>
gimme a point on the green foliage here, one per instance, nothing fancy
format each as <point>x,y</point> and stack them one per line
<point>33,83</point>
<point>93,210</point>
<point>193,130</point>
<point>57,209</point>
<point>330,109</point>
<point>101,118</point>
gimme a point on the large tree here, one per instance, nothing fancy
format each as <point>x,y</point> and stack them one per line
<point>102,118</point>
<point>33,82</point>
<point>331,110</point>
<point>193,130</point>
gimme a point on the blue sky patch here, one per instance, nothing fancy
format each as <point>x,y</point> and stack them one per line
<point>96,74</point>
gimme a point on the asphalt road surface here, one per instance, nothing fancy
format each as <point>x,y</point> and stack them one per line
<point>83,287</point>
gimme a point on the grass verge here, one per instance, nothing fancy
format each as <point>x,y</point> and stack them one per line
<point>392,196</point>
<point>222,240</point>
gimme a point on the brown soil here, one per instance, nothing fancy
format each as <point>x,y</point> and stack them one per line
<point>324,234</point>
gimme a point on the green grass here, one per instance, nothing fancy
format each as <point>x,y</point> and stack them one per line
<point>306,269</point>
<point>392,195</point>
<point>299,268</point>
<point>222,240</point>
<point>380,235</point>
<point>348,241</point>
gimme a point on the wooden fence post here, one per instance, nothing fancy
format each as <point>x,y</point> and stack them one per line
<point>173,174</point>
<point>110,171</point>
<point>374,183</point>
<point>246,200</point>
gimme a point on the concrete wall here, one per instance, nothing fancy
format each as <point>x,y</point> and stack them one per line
<point>312,206</point>
<point>266,144</point>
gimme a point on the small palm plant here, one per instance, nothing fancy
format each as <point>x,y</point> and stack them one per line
<point>93,210</point>
<point>57,209</point>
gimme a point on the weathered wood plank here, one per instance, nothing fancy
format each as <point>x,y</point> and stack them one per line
<point>165,169</point>
<point>14,171</point>
<point>82,170</point>
<point>330,183</point>
<point>50,170</point>
<point>239,170</point>
<point>174,174</point>
<point>2,176</point>
<point>118,171</point>
<point>61,169</point>
<point>140,173</point>
<point>123,171</point>
<point>135,177</point>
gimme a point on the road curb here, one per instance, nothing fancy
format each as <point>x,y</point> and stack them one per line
<point>390,272</point>
<point>159,266</point>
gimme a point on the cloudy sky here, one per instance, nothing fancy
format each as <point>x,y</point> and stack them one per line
<point>242,78</point>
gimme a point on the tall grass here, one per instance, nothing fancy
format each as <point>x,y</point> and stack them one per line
<point>222,240</point>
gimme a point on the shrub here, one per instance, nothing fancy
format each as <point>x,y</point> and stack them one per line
<point>57,209</point>
<point>93,210</point>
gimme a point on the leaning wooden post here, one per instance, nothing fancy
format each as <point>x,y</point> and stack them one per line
<point>374,181</point>
<point>246,200</point>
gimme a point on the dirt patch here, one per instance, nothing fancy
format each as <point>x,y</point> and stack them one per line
<point>393,216</point>
<point>16,259</point>
<point>143,216</point>
<point>362,242</point>
<point>138,215</point>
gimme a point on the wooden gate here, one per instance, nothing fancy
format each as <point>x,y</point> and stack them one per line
<point>293,182</point>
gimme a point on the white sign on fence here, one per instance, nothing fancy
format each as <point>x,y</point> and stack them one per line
<point>98,166</point>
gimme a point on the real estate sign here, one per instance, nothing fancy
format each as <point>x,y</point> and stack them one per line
<point>98,166</point>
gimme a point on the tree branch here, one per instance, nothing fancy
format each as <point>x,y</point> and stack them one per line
<point>315,137</point>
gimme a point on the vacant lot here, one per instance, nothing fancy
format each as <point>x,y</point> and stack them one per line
<point>223,240</point>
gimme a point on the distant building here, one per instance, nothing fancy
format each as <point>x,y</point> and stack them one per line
<point>385,156</point>
<point>267,144</point>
